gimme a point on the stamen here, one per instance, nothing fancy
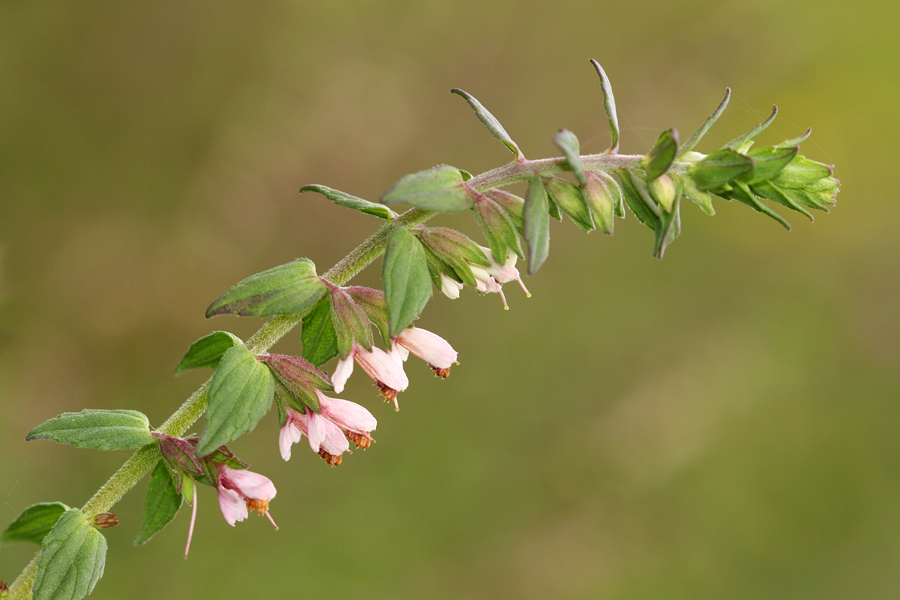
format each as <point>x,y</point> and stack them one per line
<point>271,520</point>
<point>442,373</point>
<point>187,546</point>
<point>525,289</point>
<point>331,459</point>
<point>505,305</point>
<point>257,504</point>
<point>361,440</point>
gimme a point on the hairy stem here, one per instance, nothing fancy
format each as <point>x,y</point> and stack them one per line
<point>142,461</point>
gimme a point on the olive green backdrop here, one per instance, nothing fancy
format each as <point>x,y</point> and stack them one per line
<point>718,424</point>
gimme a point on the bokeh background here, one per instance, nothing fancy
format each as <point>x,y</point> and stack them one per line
<point>721,423</point>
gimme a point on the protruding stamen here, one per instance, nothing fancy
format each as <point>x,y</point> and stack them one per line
<point>361,440</point>
<point>331,459</point>
<point>442,373</point>
<point>187,547</point>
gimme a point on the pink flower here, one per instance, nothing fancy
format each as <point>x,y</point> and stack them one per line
<point>450,287</point>
<point>430,347</point>
<point>384,369</point>
<point>489,279</point>
<point>241,491</point>
<point>328,431</point>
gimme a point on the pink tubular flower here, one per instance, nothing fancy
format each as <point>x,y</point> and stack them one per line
<point>450,287</point>
<point>326,431</point>
<point>384,369</point>
<point>430,347</point>
<point>241,491</point>
<point>489,279</point>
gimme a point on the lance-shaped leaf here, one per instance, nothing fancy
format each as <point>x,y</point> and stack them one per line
<point>289,289</point>
<point>347,201</point>
<point>34,523</point>
<point>568,143</point>
<point>71,561</point>
<point>718,169</point>
<point>439,189</point>
<point>240,394</point>
<point>660,157</point>
<point>692,141</point>
<point>207,351</point>
<point>319,339</point>
<point>569,198</point>
<point>491,122</point>
<point>161,505</point>
<point>767,163</point>
<point>638,199</point>
<point>537,223</point>
<point>350,322</point>
<point>407,284</point>
<point>101,429</point>
<point>740,142</point>
<point>609,105</point>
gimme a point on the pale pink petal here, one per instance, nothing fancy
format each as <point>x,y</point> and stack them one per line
<point>449,287</point>
<point>428,346</point>
<point>315,430</point>
<point>332,438</point>
<point>342,373</point>
<point>288,435</point>
<point>382,367</point>
<point>233,506</point>
<point>348,415</point>
<point>399,352</point>
<point>247,483</point>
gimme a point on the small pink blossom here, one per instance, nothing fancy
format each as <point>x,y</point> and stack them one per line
<point>428,346</point>
<point>383,368</point>
<point>489,279</point>
<point>241,491</point>
<point>450,287</point>
<point>328,431</point>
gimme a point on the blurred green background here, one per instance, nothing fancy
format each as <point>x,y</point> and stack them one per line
<point>721,423</point>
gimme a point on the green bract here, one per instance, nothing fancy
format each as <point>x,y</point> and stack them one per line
<point>537,224</point>
<point>347,201</point>
<point>439,189</point>
<point>491,122</point>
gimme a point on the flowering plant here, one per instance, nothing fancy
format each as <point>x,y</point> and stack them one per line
<point>375,328</point>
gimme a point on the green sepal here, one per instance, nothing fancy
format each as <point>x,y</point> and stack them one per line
<point>571,149</point>
<point>72,558</point>
<point>161,504</point>
<point>207,351</point>
<point>568,197</point>
<point>718,169</point>
<point>289,289</point>
<point>664,190</point>
<point>299,379</point>
<point>350,322</point>
<point>668,227</point>
<point>741,142</point>
<point>512,204</point>
<point>282,398</point>
<point>609,105</point>
<point>439,189</point>
<point>701,199</point>
<point>768,161</point>
<point>491,122</point>
<point>318,336</point>
<point>638,199</point>
<point>497,228</point>
<point>795,141</point>
<point>602,195</point>
<point>34,523</point>
<point>661,156</point>
<point>101,429</point>
<point>372,303</point>
<point>742,193</point>
<point>454,249</point>
<point>407,283</point>
<point>553,208</point>
<point>347,201</point>
<point>537,223</point>
<point>697,135</point>
<point>240,394</point>
<point>786,197</point>
<point>802,172</point>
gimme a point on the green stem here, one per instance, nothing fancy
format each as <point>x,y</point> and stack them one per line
<point>142,461</point>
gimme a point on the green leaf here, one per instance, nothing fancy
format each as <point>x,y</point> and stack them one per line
<point>767,163</point>
<point>347,201</point>
<point>660,157</point>
<point>795,141</point>
<point>161,505</point>
<point>668,228</point>
<point>512,204</point>
<point>701,199</point>
<point>609,105</point>
<point>739,142</point>
<point>569,198</point>
<point>718,169</point>
<point>497,227</point>
<point>374,305</point>
<point>319,339</point>
<point>742,193</point>
<point>638,199</point>
<point>71,561</point>
<point>568,143</point>
<point>439,189</point>
<point>289,289</point>
<point>407,284</point>
<point>537,223</point>
<point>350,322</point>
<point>491,122</point>
<point>207,351</point>
<point>240,394</point>
<point>692,141</point>
<point>34,523</point>
<point>101,429</point>
<point>802,172</point>
<point>784,196</point>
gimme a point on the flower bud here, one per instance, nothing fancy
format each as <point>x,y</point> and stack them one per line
<point>602,194</point>
<point>106,520</point>
<point>664,191</point>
